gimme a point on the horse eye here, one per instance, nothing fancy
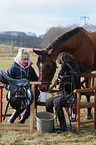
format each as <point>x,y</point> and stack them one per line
<point>48,66</point>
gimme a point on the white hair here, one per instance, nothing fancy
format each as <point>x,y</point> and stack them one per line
<point>22,51</point>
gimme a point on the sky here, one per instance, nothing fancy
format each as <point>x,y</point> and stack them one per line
<point>38,16</point>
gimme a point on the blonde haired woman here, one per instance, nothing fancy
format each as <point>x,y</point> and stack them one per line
<point>21,68</point>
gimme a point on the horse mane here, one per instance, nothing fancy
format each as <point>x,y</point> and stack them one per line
<point>64,37</point>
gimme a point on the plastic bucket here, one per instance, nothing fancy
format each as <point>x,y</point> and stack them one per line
<point>45,121</point>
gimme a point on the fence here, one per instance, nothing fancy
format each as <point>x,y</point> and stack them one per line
<point>10,50</point>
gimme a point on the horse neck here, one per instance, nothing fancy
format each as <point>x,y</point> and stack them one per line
<point>68,46</point>
<point>61,49</point>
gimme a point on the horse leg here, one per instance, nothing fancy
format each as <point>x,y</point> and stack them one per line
<point>89,114</point>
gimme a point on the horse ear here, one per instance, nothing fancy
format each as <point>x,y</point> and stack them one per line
<point>37,51</point>
<point>50,51</point>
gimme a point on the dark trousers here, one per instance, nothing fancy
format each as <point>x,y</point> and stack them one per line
<point>55,101</point>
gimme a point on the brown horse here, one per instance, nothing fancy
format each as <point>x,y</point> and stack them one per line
<point>77,42</point>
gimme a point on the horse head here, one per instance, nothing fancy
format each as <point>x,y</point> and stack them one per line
<point>47,67</point>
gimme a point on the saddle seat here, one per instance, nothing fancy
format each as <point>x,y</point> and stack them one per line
<point>8,80</point>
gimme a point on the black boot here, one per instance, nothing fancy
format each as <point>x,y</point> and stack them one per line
<point>25,115</point>
<point>15,114</point>
<point>63,128</point>
<point>61,116</point>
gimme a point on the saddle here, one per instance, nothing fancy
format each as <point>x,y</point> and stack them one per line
<point>14,83</point>
<point>19,88</point>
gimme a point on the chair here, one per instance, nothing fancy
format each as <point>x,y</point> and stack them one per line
<point>88,89</point>
<point>17,126</point>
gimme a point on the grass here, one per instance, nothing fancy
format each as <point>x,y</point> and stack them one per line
<point>12,137</point>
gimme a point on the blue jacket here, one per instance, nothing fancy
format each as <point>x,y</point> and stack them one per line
<point>17,71</point>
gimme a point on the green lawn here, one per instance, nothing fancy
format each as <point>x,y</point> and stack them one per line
<point>12,137</point>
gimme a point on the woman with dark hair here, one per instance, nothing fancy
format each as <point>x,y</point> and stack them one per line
<point>68,68</point>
